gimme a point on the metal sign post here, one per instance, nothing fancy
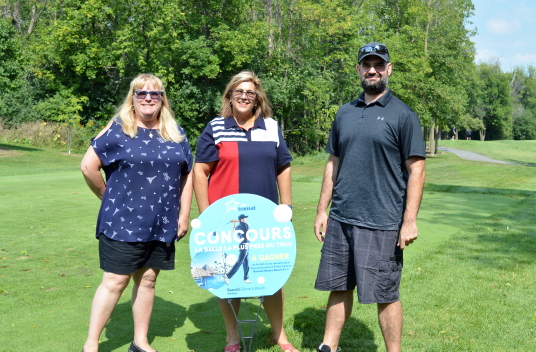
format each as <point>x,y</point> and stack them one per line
<point>247,341</point>
<point>250,259</point>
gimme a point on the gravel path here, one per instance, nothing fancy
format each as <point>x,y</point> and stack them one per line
<point>464,154</point>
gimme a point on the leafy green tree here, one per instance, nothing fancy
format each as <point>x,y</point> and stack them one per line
<point>80,56</point>
<point>432,54</point>
<point>309,69</point>
<point>523,90</point>
<point>11,69</point>
<point>524,126</point>
<point>64,107</point>
<point>11,64</point>
<point>492,102</point>
<point>470,123</point>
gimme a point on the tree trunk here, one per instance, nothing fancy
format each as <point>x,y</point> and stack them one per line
<point>290,24</point>
<point>431,140</point>
<point>438,137</point>
<point>269,20</point>
<point>482,135</point>
<point>33,19</point>
<point>16,16</point>
<point>425,137</point>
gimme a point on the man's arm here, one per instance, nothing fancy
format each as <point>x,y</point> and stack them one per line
<point>416,171</point>
<point>330,175</point>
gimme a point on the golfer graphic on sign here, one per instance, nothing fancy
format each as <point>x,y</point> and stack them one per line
<point>240,231</point>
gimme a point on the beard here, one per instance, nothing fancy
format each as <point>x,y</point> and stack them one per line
<point>375,88</point>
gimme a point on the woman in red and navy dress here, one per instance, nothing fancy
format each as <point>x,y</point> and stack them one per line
<point>243,151</point>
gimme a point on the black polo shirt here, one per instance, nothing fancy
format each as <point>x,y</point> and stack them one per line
<point>372,143</point>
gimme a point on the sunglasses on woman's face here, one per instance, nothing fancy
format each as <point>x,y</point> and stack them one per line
<point>154,94</point>
<point>238,93</point>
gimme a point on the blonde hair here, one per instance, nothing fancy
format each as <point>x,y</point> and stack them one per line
<point>262,106</point>
<point>167,125</point>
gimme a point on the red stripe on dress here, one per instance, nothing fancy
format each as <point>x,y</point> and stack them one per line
<point>224,179</point>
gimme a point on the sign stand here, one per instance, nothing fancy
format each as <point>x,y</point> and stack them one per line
<point>259,246</point>
<point>247,341</point>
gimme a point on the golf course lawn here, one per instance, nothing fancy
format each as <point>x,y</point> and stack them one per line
<point>468,281</point>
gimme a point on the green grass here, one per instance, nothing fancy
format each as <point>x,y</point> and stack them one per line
<point>30,160</point>
<point>468,280</point>
<point>523,152</point>
<point>447,172</point>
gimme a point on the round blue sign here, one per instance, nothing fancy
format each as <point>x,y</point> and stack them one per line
<point>243,245</point>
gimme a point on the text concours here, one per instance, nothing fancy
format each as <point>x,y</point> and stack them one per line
<point>243,245</point>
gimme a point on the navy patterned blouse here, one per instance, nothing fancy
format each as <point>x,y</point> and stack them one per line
<point>143,178</point>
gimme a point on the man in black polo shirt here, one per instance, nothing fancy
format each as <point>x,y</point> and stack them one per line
<point>373,179</point>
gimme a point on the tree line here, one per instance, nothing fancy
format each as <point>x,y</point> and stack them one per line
<point>70,62</point>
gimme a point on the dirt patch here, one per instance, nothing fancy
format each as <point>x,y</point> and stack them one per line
<point>9,152</point>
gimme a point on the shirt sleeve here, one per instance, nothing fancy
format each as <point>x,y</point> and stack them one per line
<point>107,145</point>
<point>185,145</point>
<point>332,147</point>
<point>206,151</point>
<point>411,137</point>
<point>283,155</point>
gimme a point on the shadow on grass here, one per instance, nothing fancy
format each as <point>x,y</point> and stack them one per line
<point>167,317</point>
<point>502,241</point>
<point>355,337</point>
<point>207,317</point>
<point>482,190</point>
<point>16,147</point>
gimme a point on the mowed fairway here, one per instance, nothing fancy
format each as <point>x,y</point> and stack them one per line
<point>468,282</point>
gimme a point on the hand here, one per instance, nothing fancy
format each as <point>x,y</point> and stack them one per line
<point>321,223</point>
<point>183,226</point>
<point>408,234</point>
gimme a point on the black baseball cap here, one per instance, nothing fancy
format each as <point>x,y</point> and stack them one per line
<point>374,48</point>
<point>242,216</point>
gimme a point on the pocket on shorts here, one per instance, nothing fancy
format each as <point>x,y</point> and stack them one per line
<point>389,275</point>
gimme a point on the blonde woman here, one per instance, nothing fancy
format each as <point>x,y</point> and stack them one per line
<point>145,208</point>
<point>243,151</point>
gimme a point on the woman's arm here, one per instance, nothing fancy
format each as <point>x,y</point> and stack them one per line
<point>186,204</point>
<point>91,166</point>
<point>201,172</point>
<point>284,183</point>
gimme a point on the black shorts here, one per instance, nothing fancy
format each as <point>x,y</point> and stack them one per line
<point>357,256</point>
<point>127,257</point>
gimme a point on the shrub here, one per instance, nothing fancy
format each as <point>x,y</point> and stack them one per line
<point>49,134</point>
<point>524,127</point>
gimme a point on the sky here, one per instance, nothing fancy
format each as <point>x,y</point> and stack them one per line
<point>506,30</point>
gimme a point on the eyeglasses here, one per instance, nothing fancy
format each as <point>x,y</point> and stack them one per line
<point>237,93</point>
<point>380,49</point>
<point>142,94</point>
